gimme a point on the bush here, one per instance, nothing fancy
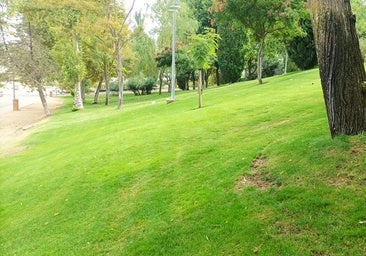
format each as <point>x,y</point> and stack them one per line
<point>113,86</point>
<point>141,87</point>
<point>148,85</point>
<point>133,84</point>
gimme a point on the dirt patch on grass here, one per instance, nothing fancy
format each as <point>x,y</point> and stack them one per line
<point>286,228</point>
<point>256,178</point>
<point>350,172</point>
<point>258,162</point>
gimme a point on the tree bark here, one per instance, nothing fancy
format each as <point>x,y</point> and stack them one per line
<point>43,100</point>
<point>106,82</point>
<point>78,102</point>
<point>97,91</point>
<point>120,74</point>
<point>341,66</point>
<point>200,82</point>
<point>260,62</point>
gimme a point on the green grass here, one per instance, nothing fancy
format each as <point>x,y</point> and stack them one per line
<point>158,179</point>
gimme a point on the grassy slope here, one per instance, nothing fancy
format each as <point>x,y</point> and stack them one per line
<point>157,179</point>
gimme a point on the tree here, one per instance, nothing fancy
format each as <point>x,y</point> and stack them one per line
<point>341,66</point>
<point>264,18</point>
<point>144,49</point>
<point>203,49</point>
<point>186,25</point>
<point>200,9</point>
<point>301,49</point>
<point>162,15</point>
<point>359,9</point>
<point>28,58</point>
<point>230,53</point>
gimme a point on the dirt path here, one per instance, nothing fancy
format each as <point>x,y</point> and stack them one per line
<point>17,125</point>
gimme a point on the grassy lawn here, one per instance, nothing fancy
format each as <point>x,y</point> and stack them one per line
<point>254,172</point>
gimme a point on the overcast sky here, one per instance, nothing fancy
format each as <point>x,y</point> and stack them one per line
<point>141,5</point>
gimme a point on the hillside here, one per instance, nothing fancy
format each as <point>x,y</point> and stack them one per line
<point>254,171</point>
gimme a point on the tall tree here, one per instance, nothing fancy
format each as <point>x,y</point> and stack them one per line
<point>230,53</point>
<point>203,48</point>
<point>28,57</point>
<point>341,65</point>
<point>162,15</point>
<point>118,26</point>
<point>264,18</point>
<point>301,49</point>
<point>144,48</point>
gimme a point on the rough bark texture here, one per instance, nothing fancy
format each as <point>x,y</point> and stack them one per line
<point>341,65</point>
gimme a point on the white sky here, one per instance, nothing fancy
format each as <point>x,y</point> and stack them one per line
<point>141,5</point>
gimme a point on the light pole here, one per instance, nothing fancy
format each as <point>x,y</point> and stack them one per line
<point>174,9</point>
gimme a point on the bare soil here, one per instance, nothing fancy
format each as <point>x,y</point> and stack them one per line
<point>15,126</point>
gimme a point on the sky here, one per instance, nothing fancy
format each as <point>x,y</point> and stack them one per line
<point>141,5</point>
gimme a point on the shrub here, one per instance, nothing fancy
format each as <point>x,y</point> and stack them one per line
<point>148,85</point>
<point>141,87</point>
<point>133,84</point>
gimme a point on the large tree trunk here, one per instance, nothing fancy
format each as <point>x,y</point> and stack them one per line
<point>341,65</point>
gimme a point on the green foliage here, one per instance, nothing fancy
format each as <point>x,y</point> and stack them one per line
<point>230,53</point>
<point>144,49</point>
<point>162,14</point>
<point>148,84</point>
<point>302,48</point>
<point>202,48</point>
<point>201,13</point>
<point>141,86</point>
<point>264,19</point>
<point>359,9</point>
<point>253,173</point>
<point>184,63</point>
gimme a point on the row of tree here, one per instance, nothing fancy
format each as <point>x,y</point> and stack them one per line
<point>80,42</point>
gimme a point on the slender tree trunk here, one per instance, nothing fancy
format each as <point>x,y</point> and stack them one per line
<point>200,82</point>
<point>194,80</point>
<point>217,73</point>
<point>43,100</point>
<point>83,90</point>
<point>259,62</point>
<point>206,76</point>
<point>38,80</point>
<point>160,80</point>
<point>78,101</point>
<point>286,63</point>
<point>341,65</point>
<point>119,73</point>
<point>106,82</point>
<point>97,91</point>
